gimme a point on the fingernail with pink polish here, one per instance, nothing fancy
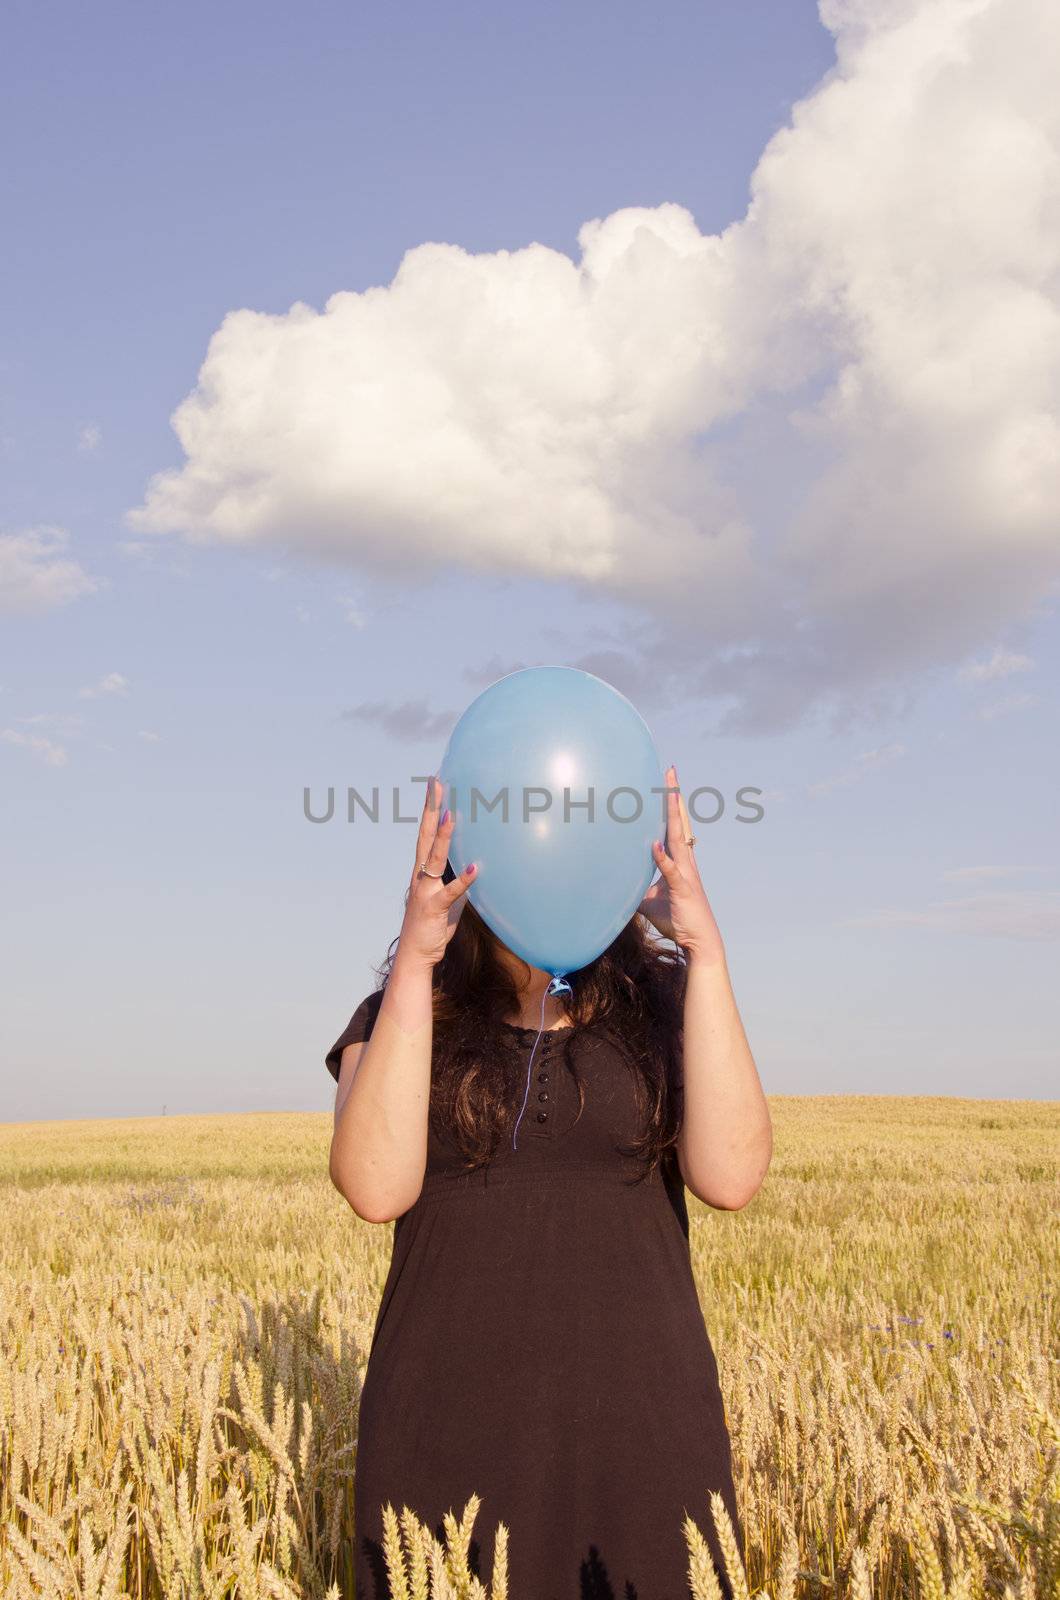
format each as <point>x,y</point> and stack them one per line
<point>445,816</point>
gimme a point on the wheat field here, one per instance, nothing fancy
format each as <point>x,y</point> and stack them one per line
<point>186,1306</point>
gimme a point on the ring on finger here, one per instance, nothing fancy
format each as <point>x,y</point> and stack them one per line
<point>423,873</point>
<point>686,820</point>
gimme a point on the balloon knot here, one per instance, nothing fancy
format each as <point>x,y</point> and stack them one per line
<point>559,985</point>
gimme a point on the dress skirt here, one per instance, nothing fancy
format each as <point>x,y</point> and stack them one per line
<point>540,1344</point>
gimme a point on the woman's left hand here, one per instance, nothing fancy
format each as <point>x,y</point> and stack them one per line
<point>677,904</point>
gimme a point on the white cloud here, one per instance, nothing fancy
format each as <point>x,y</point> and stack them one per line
<point>1006,705</point>
<point>37,575</point>
<point>148,554</point>
<point>1000,665</point>
<point>868,761</point>
<point>49,752</point>
<point>1016,914</point>
<point>147,736</point>
<point>89,439</point>
<point>981,874</point>
<point>112,683</point>
<point>69,721</point>
<point>879,337</point>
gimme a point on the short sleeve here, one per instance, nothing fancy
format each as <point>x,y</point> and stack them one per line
<point>358,1029</point>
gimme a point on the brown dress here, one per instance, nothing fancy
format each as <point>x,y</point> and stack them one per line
<point>540,1343</point>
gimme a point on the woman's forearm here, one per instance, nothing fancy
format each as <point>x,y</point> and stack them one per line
<point>379,1146</point>
<point>726,1138</point>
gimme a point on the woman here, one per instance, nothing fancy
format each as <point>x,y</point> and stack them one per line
<point>539,1341</point>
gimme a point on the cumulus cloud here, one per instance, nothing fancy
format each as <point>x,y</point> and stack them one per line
<point>36,573</point>
<point>816,454</point>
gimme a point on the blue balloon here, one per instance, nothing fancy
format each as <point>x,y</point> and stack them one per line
<point>555,787</point>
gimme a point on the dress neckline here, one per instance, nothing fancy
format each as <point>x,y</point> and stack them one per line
<point>516,1027</point>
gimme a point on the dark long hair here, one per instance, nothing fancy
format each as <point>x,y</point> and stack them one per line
<point>633,992</point>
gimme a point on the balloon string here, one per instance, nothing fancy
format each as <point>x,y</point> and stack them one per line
<point>559,985</point>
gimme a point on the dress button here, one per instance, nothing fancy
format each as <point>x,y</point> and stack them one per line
<point>542,1077</point>
<point>543,1095</point>
<point>542,1116</point>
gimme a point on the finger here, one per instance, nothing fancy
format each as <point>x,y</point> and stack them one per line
<point>428,825</point>
<point>460,884</point>
<point>656,912</point>
<point>656,900</point>
<point>438,853</point>
<point>677,832</point>
<point>669,868</point>
<point>687,833</point>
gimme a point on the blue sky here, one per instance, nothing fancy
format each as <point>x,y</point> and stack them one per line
<point>881,660</point>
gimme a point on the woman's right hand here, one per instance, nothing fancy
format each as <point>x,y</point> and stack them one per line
<point>432,908</point>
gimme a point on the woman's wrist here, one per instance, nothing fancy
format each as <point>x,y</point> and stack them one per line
<point>409,997</point>
<point>409,966</point>
<point>708,954</point>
